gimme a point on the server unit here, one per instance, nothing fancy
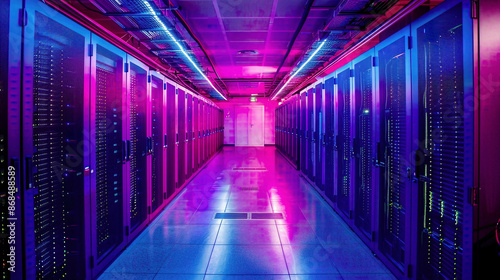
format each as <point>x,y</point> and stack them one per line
<point>329,138</point>
<point>343,140</point>
<point>109,153</point>
<point>172,144</point>
<point>442,67</point>
<point>318,135</point>
<point>393,151</point>
<point>158,143</point>
<point>11,162</point>
<point>363,107</point>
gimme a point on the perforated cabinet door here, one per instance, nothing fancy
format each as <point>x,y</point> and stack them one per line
<point>55,134</point>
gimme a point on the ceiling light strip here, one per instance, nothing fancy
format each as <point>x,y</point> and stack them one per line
<point>151,10</point>
<point>303,65</point>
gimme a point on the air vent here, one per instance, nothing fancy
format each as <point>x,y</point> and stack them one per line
<point>248,52</point>
<point>267,216</point>
<point>249,188</point>
<point>249,169</point>
<point>231,216</point>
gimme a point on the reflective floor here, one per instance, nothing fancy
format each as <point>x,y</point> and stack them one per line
<point>186,242</point>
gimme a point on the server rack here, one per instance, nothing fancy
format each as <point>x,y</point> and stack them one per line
<point>189,135</point>
<point>172,144</point>
<point>138,144</point>
<point>310,151</point>
<point>297,131</point>
<point>362,112</point>
<point>181,137</point>
<point>158,142</point>
<point>108,153</point>
<point>196,134</point>
<point>393,151</point>
<point>55,124</point>
<point>343,140</point>
<point>10,133</point>
<point>442,74</point>
<point>303,152</point>
<point>329,138</point>
<point>318,135</point>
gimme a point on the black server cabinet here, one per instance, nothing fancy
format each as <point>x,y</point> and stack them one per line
<point>443,121</point>
<point>318,135</point>
<point>138,144</point>
<point>202,132</point>
<point>181,134</point>
<point>329,138</point>
<point>343,140</point>
<point>303,140</point>
<point>296,120</point>
<point>289,129</point>
<point>363,107</point>
<point>196,134</point>
<point>310,143</point>
<point>10,133</point>
<point>158,143</point>
<point>171,139</point>
<point>392,154</point>
<point>55,124</point>
<point>189,135</point>
<point>108,153</point>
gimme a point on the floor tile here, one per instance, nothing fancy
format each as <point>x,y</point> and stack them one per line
<point>125,276</point>
<point>248,234</point>
<point>161,276</point>
<point>185,259</point>
<point>247,277</point>
<point>297,234</point>
<point>198,234</point>
<point>368,277</point>
<point>316,277</point>
<point>247,259</point>
<point>308,259</point>
<point>355,259</point>
<point>142,258</point>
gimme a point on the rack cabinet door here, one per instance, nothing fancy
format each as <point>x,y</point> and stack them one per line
<point>393,136</point>
<point>109,151</point>
<point>158,143</point>
<point>442,67</point>
<point>343,140</point>
<point>139,160</point>
<point>363,121</point>
<point>55,145</point>
<point>10,133</point>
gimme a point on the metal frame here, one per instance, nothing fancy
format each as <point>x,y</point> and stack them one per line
<point>403,34</point>
<point>101,264</point>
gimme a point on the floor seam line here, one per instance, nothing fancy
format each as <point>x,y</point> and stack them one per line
<point>216,236</point>
<point>279,237</point>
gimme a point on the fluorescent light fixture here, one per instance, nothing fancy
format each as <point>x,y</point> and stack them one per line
<point>294,74</point>
<point>180,47</point>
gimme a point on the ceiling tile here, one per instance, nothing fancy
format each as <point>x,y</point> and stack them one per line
<point>244,8</point>
<point>286,24</point>
<point>247,24</point>
<point>247,36</point>
<point>193,9</point>
<point>290,8</point>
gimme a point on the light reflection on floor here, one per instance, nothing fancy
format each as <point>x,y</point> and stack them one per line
<point>186,242</point>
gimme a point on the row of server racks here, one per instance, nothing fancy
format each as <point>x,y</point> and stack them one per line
<point>388,140</point>
<point>94,142</point>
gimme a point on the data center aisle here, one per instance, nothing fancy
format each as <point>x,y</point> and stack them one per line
<point>186,242</point>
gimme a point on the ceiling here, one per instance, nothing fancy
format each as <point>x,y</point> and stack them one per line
<point>264,28</point>
<point>240,47</point>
